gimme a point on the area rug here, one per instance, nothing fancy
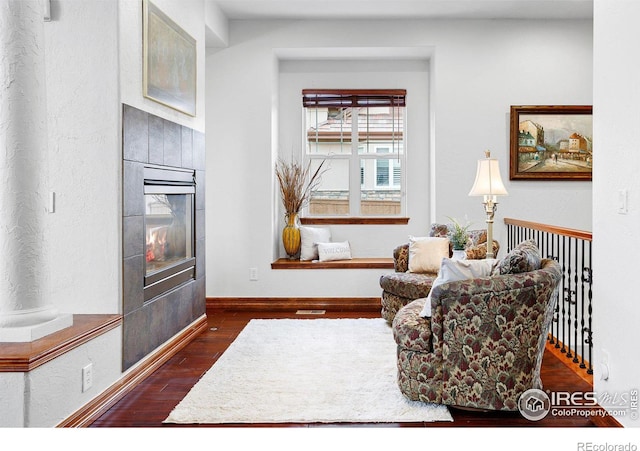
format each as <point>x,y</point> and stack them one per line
<point>305,371</point>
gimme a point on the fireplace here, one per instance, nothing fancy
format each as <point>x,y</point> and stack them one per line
<point>163,231</point>
<point>168,229</point>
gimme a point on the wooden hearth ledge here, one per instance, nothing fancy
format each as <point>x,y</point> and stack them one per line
<point>24,357</point>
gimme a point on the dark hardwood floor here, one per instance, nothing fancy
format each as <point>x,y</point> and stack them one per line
<point>152,400</point>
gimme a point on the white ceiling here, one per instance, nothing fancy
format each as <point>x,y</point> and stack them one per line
<point>406,9</point>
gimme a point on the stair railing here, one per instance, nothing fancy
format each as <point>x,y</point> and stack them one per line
<point>571,330</point>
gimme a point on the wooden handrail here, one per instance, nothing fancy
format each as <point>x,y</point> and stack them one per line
<point>580,234</point>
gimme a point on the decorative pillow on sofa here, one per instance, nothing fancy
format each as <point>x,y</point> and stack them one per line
<point>453,270</point>
<point>522,258</point>
<point>426,253</point>
<point>439,230</point>
<point>309,239</point>
<point>334,251</point>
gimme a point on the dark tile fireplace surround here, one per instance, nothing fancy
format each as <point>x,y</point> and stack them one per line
<point>152,145</point>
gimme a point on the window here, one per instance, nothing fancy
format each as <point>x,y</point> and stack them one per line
<point>360,136</point>
<point>388,171</point>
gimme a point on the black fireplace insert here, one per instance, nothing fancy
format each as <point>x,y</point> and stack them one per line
<point>169,229</point>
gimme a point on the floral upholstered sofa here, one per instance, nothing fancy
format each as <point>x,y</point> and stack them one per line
<point>483,344</point>
<point>403,286</point>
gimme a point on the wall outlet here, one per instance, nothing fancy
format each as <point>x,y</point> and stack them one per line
<point>87,377</point>
<point>623,199</point>
<point>253,273</point>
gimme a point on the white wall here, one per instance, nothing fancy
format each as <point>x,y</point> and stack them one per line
<point>83,109</point>
<point>478,69</point>
<point>91,69</point>
<point>616,241</point>
<point>54,390</point>
<point>93,59</point>
<point>479,75</point>
<point>412,74</point>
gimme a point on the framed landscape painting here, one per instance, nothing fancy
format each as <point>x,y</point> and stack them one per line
<point>551,142</point>
<point>169,61</point>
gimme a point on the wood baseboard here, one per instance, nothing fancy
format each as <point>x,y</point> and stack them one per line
<point>100,404</point>
<point>340,304</point>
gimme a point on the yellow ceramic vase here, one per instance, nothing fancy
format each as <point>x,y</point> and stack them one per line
<point>291,236</point>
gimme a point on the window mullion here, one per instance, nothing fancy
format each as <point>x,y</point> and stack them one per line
<point>354,166</point>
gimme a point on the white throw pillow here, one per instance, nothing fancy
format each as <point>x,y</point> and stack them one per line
<point>309,239</point>
<point>453,270</point>
<point>426,253</point>
<point>334,251</point>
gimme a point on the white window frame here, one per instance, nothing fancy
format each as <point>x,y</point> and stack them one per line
<point>356,158</point>
<point>393,166</point>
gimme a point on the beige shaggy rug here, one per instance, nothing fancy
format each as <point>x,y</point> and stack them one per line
<point>305,371</point>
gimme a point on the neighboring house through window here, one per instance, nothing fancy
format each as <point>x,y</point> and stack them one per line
<point>360,136</point>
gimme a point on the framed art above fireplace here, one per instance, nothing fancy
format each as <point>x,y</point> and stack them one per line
<point>169,61</point>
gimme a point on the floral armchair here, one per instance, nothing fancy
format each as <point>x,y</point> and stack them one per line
<point>401,286</point>
<point>483,345</point>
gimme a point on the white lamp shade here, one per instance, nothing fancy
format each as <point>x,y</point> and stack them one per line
<point>488,181</point>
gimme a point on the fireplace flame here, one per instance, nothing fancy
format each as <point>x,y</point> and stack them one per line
<point>156,244</point>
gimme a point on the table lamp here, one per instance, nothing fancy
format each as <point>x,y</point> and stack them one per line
<point>488,184</point>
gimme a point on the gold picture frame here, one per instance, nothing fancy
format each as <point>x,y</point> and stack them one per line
<point>551,142</point>
<point>169,61</point>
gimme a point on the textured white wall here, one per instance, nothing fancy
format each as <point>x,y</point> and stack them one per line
<point>80,162</point>
<point>92,65</point>
<point>616,105</point>
<point>477,71</point>
<point>23,161</point>
<point>12,389</point>
<point>84,145</point>
<point>55,389</point>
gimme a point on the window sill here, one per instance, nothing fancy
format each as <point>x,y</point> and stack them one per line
<point>354,263</point>
<point>354,220</point>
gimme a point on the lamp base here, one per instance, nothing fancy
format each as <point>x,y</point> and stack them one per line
<point>490,208</point>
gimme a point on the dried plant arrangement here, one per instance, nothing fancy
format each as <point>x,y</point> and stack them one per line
<point>296,185</point>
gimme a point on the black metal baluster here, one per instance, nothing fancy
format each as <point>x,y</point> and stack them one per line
<point>574,257</point>
<point>563,319</point>
<point>544,248</point>
<point>575,303</point>
<point>589,340</point>
<point>568,296</point>
<point>510,236</point>
<point>582,331</point>
<point>556,315</point>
